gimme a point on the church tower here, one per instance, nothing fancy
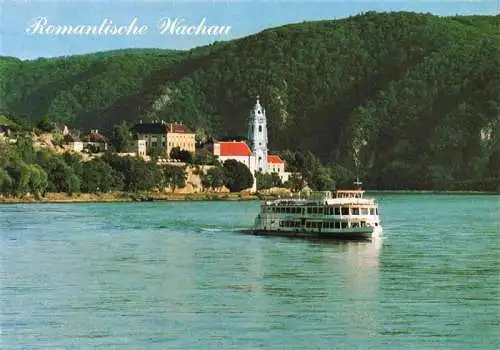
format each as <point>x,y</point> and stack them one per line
<point>257,136</point>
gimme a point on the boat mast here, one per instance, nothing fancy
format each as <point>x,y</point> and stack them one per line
<point>357,143</point>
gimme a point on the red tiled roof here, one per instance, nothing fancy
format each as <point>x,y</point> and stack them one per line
<point>94,137</point>
<point>274,159</point>
<point>177,128</point>
<point>234,149</point>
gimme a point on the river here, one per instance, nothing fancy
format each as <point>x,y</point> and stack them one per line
<point>178,275</point>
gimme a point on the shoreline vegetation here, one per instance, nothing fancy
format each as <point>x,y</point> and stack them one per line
<point>126,197</point>
<point>199,196</point>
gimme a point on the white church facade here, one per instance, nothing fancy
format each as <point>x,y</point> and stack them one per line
<point>254,154</point>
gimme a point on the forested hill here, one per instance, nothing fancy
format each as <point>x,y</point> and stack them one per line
<point>416,90</point>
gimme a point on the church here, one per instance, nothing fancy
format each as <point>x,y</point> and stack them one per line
<point>254,154</point>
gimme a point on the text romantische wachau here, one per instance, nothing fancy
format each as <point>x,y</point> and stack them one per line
<point>165,26</point>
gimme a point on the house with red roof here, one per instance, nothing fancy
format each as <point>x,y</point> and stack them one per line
<point>237,150</point>
<point>275,164</point>
<point>94,142</point>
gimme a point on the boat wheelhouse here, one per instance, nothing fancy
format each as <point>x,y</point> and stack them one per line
<point>348,215</point>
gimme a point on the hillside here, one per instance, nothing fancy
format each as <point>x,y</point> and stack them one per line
<point>415,89</point>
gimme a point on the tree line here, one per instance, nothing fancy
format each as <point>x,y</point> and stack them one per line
<point>26,170</point>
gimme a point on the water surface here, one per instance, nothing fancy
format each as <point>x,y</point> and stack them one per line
<point>178,275</point>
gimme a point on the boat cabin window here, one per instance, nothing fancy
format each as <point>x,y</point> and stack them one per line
<point>364,211</point>
<point>376,211</point>
<point>355,211</point>
<point>343,224</point>
<point>345,211</point>
<point>287,223</point>
<point>372,211</point>
<point>320,210</point>
<point>313,224</point>
<point>337,210</point>
<point>332,224</point>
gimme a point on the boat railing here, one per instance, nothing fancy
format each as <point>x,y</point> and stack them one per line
<point>322,197</point>
<point>310,195</point>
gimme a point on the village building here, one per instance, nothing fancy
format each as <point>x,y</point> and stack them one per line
<point>277,165</point>
<point>237,150</point>
<point>160,136</point>
<point>75,145</point>
<point>254,154</point>
<point>64,130</point>
<point>179,136</point>
<point>138,147</point>
<point>95,142</point>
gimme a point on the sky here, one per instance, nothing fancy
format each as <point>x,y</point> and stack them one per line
<point>21,37</point>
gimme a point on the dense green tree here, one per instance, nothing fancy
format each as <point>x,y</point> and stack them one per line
<point>45,125</point>
<point>74,160</point>
<point>322,179</point>
<point>5,182</point>
<point>61,176</point>
<point>175,176</point>
<point>18,176</point>
<point>136,173</point>
<point>237,176</point>
<point>181,155</point>
<point>296,182</point>
<point>204,157</point>
<point>98,176</point>
<point>121,139</point>
<point>20,173</point>
<point>214,178</point>
<point>38,180</point>
<point>316,175</point>
<point>24,148</point>
<point>266,181</point>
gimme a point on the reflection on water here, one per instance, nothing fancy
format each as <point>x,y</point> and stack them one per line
<point>315,284</point>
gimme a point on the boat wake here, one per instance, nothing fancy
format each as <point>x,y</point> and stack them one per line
<point>211,229</point>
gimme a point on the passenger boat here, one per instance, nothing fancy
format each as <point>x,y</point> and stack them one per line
<point>347,215</point>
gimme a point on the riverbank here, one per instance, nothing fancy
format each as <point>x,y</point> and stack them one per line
<point>128,197</point>
<point>199,196</point>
